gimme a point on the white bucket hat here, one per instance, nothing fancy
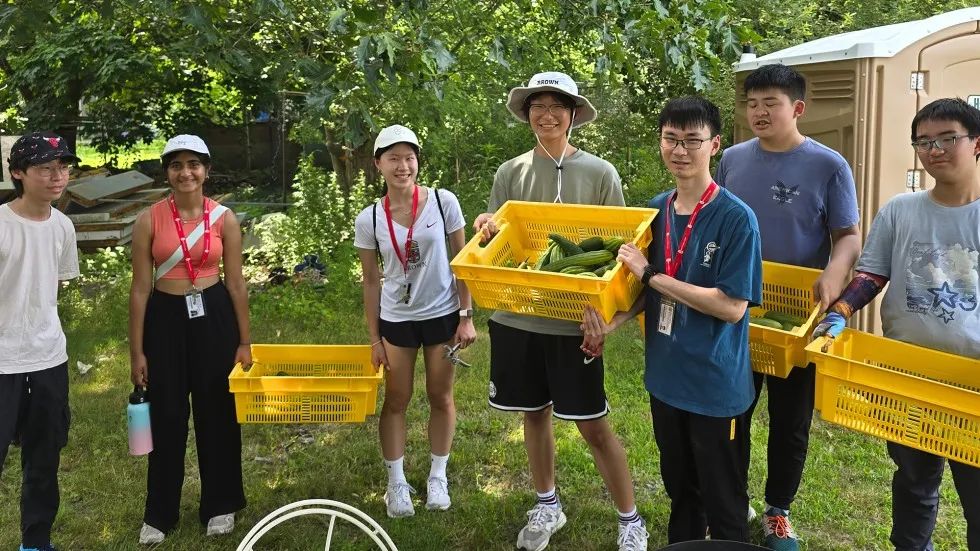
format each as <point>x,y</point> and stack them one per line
<point>393,134</point>
<point>185,142</point>
<point>551,81</point>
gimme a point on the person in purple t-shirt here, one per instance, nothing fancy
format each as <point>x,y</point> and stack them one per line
<point>802,193</point>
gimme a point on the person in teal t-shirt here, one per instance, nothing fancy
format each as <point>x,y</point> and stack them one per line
<point>703,271</point>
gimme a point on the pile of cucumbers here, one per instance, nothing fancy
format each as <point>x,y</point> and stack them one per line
<point>591,257</point>
<point>778,320</point>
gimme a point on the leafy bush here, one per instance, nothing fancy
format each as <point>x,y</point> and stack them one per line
<point>320,221</point>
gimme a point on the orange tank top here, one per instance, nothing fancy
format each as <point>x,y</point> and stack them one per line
<point>165,241</point>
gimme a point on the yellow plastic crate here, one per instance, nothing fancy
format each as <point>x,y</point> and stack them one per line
<point>919,397</point>
<point>524,228</point>
<point>306,384</point>
<point>787,289</point>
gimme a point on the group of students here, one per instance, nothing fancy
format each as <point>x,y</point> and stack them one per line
<point>781,197</point>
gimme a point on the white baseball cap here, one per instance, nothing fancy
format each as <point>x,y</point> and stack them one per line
<point>393,134</point>
<point>551,81</point>
<point>185,142</point>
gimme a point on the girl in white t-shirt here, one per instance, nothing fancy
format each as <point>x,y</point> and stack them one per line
<point>417,304</point>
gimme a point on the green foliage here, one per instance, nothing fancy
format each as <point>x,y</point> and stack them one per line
<point>109,265</point>
<point>320,221</point>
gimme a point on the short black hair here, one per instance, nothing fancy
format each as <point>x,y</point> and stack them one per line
<point>382,150</point>
<point>781,77</point>
<point>566,100</point>
<point>166,159</point>
<point>690,112</point>
<point>949,109</point>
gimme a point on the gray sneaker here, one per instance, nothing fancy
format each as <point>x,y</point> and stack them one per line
<point>633,537</point>
<point>221,524</point>
<point>398,498</point>
<point>542,522</point>
<point>150,535</point>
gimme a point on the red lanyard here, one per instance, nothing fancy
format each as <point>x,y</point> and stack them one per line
<point>671,262</point>
<point>411,228</point>
<point>183,238</point>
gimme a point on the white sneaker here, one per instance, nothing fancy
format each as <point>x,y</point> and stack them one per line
<point>150,535</point>
<point>437,496</point>
<point>633,537</point>
<point>398,498</point>
<point>221,524</point>
<point>542,522</point>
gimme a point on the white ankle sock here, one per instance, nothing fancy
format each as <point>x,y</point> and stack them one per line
<point>396,471</point>
<point>438,469</point>
<point>549,498</point>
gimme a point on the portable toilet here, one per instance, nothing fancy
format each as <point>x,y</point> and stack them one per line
<point>864,88</point>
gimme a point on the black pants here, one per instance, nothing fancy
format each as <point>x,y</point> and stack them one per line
<point>34,411</point>
<point>702,463</point>
<point>915,498</point>
<point>192,357</point>
<point>790,415</point>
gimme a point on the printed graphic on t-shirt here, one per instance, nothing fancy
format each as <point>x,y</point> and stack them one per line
<point>709,253</point>
<point>414,256</point>
<point>941,280</point>
<point>783,194</point>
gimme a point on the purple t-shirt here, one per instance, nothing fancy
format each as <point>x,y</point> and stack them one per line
<point>798,196</point>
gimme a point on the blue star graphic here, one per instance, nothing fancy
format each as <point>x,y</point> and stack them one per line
<point>946,316</point>
<point>944,295</point>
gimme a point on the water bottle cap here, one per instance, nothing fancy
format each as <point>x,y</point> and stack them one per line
<point>138,396</point>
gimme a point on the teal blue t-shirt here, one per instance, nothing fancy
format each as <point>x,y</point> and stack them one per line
<point>703,365</point>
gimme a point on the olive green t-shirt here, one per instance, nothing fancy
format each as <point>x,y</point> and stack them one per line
<point>586,180</point>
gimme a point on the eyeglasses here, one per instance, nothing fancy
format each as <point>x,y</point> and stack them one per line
<point>943,144</point>
<point>689,144</point>
<point>49,171</point>
<point>555,110</point>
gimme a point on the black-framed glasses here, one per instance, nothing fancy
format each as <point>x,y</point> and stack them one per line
<point>943,144</point>
<point>555,109</point>
<point>689,144</point>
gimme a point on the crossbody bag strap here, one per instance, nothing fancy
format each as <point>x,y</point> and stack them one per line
<point>178,255</point>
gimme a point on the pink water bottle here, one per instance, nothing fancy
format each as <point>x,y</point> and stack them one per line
<point>138,420</point>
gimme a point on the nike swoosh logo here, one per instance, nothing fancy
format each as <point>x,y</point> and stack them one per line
<point>430,225</point>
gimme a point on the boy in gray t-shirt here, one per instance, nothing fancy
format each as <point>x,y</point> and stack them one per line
<point>926,245</point>
<point>543,367</point>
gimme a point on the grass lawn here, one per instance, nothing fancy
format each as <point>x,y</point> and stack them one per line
<point>844,503</point>
<point>125,158</point>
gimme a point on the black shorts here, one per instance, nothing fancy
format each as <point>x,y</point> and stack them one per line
<point>531,371</point>
<point>413,334</point>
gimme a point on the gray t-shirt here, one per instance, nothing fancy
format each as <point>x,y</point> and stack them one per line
<point>930,255</point>
<point>586,180</point>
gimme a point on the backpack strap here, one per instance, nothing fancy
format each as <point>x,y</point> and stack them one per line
<point>377,245</point>
<point>442,214</point>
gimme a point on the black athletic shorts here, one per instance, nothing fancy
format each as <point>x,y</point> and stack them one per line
<point>531,371</point>
<point>413,334</point>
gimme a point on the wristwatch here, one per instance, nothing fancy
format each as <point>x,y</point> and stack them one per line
<point>466,313</point>
<point>648,272</point>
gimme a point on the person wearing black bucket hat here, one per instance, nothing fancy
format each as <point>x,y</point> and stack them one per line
<point>37,251</point>
<point>543,367</point>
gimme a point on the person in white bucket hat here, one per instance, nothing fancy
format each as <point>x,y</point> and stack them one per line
<point>412,301</point>
<point>544,367</point>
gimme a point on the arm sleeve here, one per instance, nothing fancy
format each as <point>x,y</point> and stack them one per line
<point>740,271</point>
<point>611,192</point>
<point>454,212</point>
<point>68,263</point>
<point>498,194</point>
<point>842,207</point>
<point>364,235</point>
<point>876,258</point>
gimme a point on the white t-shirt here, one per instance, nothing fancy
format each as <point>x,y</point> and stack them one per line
<point>433,292</point>
<point>34,256</point>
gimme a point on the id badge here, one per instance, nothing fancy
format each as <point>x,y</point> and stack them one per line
<point>195,303</point>
<point>406,292</point>
<point>666,323</point>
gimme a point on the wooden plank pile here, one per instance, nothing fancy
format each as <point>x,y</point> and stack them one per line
<point>104,207</point>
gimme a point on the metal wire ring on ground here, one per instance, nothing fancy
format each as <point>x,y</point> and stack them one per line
<point>333,509</point>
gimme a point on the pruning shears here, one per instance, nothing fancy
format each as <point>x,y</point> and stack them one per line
<point>452,354</point>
